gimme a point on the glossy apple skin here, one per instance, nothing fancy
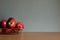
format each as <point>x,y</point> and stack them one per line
<point>11,23</point>
<point>20,25</point>
<point>3,23</point>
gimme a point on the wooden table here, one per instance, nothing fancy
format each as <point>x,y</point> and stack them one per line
<point>32,36</point>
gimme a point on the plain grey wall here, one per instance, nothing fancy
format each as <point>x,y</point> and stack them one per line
<point>37,15</point>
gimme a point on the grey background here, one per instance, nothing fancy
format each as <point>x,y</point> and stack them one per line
<point>37,15</point>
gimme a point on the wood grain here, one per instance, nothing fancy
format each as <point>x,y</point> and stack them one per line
<point>31,36</point>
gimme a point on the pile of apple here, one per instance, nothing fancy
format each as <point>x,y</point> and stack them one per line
<point>10,25</point>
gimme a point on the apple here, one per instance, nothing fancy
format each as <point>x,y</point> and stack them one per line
<point>16,30</point>
<point>11,23</point>
<point>8,30</point>
<point>3,23</point>
<point>20,25</point>
<point>0,30</point>
<point>0,24</point>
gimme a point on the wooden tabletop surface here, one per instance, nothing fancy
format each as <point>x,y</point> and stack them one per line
<point>31,36</point>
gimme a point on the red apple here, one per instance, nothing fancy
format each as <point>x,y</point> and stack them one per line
<point>3,23</point>
<point>16,30</point>
<point>8,30</point>
<point>19,25</point>
<point>0,24</point>
<point>11,23</point>
<point>0,30</point>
